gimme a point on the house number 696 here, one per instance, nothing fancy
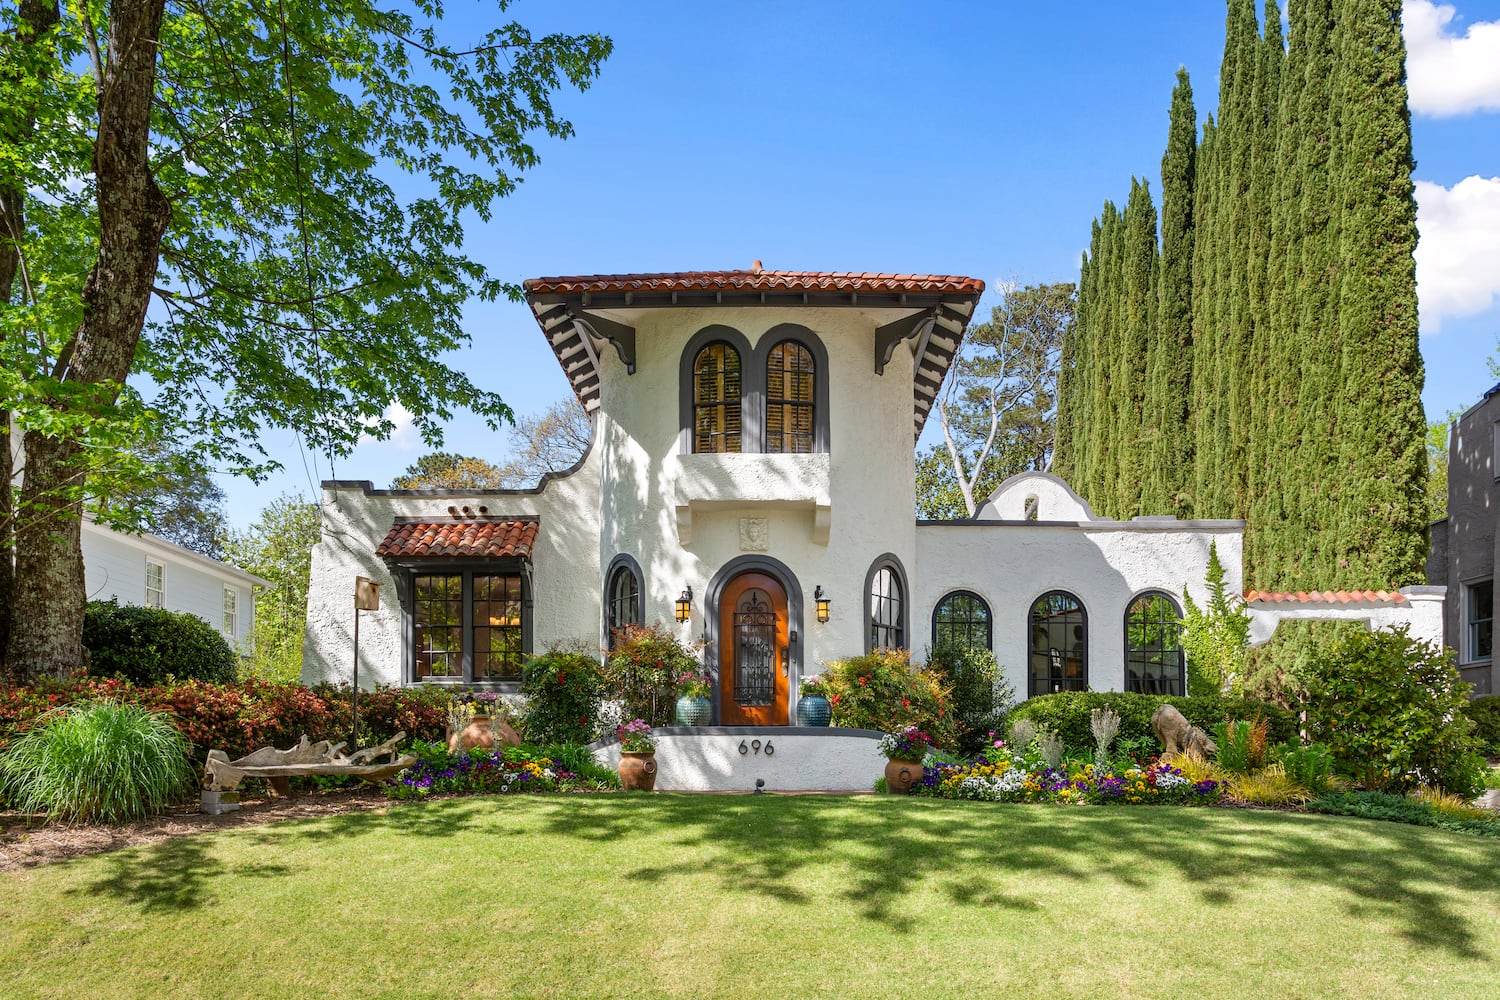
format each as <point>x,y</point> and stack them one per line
<point>754,746</point>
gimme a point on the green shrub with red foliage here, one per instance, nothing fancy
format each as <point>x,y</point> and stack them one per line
<point>246,715</point>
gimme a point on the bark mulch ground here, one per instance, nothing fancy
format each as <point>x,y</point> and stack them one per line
<point>39,843</point>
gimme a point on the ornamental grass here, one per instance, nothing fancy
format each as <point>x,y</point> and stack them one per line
<point>101,762</point>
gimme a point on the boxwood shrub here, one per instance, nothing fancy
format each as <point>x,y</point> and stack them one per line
<point>1067,714</point>
<point>154,645</point>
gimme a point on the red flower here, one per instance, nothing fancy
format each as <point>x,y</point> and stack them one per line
<point>862,681</point>
<point>905,703</point>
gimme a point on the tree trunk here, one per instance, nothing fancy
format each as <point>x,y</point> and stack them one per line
<point>47,631</point>
<point>35,17</point>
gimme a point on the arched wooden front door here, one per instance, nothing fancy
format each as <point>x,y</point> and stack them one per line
<point>753,652</point>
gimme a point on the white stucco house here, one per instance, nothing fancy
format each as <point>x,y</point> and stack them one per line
<point>153,572</point>
<point>752,452</point>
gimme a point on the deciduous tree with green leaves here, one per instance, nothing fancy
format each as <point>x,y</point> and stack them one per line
<point>258,212</point>
<point>278,547</point>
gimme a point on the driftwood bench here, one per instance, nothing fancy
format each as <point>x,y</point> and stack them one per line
<point>222,776</point>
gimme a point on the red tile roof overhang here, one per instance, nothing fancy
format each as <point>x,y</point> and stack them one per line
<point>580,315</point>
<point>1325,597</point>
<point>458,539</point>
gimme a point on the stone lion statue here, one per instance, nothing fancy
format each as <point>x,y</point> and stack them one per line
<point>1177,735</point>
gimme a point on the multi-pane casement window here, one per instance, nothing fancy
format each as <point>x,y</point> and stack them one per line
<point>622,600</point>
<point>962,618</point>
<point>156,584</point>
<point>790,382</point>
<point>887,609</point>
<point>1154,661</point>
<point>468,625</point>
<point>1059,644</point>
<point>231,612</point>
<point>716,399</point>
<point>1479,620</point>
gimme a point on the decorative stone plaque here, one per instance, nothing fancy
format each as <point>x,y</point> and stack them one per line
<point>755,534</point>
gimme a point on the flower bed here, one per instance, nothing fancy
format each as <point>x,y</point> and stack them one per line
<point>503,771</point>
<point>1003,775</point>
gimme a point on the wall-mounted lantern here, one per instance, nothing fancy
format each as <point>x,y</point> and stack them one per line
<point>821,603</point>
<point>685,605</point>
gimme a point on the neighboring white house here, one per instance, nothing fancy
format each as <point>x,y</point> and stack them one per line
<point>752,453</point>
<point>153,572</point>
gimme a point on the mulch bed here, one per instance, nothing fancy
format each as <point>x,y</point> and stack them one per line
<point>26,846</point>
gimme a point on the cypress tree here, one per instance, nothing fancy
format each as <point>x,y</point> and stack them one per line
<point>1260,375</point>
<point>1100,478</point>
<point>1169,457</point>
<point>1382,516</point>
<point>1205,344</point>
<point>1132,340</point>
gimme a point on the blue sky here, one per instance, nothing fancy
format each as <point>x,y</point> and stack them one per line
<point>973,138</point>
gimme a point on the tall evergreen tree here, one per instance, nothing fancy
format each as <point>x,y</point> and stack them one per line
<point>1382,517</point>
<point>1168,460</point>
<point>1133,334</point>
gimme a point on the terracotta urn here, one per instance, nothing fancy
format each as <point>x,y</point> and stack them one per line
<point>638,770</point>
<point>901,775</point>
<point>483,733</point>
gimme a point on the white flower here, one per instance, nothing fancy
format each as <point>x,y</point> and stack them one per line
<point>1166,779</point>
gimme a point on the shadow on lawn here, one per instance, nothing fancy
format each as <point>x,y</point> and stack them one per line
<point>892,848</point>
<point>179,874</point>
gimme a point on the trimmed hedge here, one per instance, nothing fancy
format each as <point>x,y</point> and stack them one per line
<point>1485,713</point>
<point>154,645</point>
<point>1067,714</point>
<point>247,715</point>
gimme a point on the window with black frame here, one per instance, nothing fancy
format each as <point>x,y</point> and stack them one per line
<point>962,618</point>
<point>1154,660</point>
<point>1059,644</point>
<point>624,602</point>
<point>886,610</point>
<point>467,626</point>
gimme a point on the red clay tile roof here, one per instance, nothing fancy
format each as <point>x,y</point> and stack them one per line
<point>459,538</point>
<point>751,281</point>
<point>1325,596</point>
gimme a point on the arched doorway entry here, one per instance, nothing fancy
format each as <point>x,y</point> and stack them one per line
<point>754,614</point>
<point>754,658</point>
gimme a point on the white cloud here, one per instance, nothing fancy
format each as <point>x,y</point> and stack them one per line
<point>403,436</point>
<point>1449,74</point>
<point>1457,250</point>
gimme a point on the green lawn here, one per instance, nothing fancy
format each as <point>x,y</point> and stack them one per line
<point>715,896</point>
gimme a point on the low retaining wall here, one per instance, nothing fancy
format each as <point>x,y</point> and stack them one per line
<point>786,758</point>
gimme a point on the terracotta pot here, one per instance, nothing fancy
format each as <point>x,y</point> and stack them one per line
<point>900,775</point>
<point>638,770</point>
<point>476,734</point>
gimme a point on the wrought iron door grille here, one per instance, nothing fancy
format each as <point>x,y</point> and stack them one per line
<point>754,650</point>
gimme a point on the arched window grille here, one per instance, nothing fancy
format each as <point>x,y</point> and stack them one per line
<point>1059,644</point>
<point>1154,660</point>
<point>716,399</point>
<point>790,383</point>
<point>887,610</point>
<point>962,618</point>
<point>623,599</point>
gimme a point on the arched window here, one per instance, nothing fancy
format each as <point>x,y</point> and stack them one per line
<point>963,618</point>
<point>716,399</point>
<point>886,606</point>
<point>790,384</point>
<point>1059,644</point>
<point>1154,661</point>
<point>622,598</point>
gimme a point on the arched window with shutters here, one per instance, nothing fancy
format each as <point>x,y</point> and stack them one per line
<point>1154,660</point>
<point>1059,631</point>
<point>791,386</point>
<point>716,399</point>
<point>963,618</point>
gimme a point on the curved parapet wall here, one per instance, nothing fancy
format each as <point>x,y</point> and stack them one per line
<point>786,758</point>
